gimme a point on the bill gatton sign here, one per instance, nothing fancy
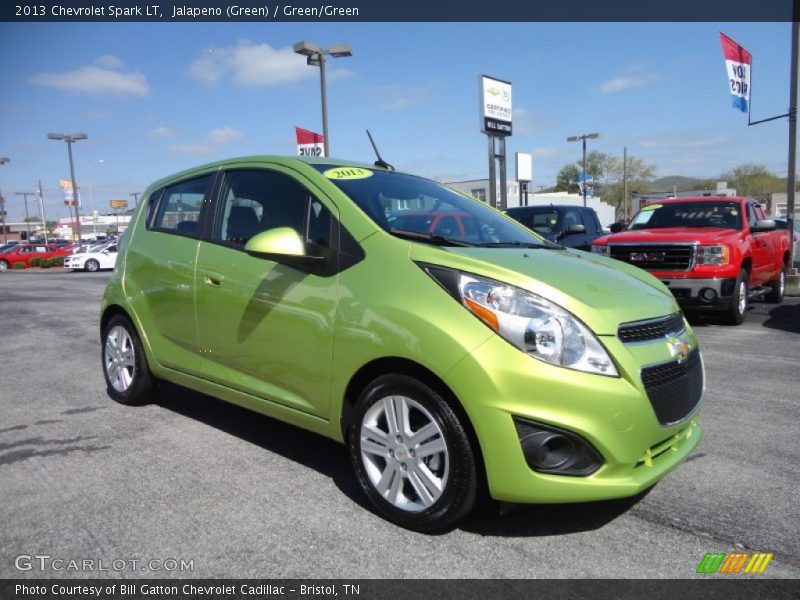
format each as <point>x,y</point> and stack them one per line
<point>495,106</point>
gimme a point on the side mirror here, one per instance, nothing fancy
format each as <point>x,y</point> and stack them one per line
<point>616,227</point>
<point>573,230</point>
<point>763,225</point>
<point>282,245</point>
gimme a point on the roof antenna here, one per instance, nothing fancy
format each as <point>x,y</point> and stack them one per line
<point>380,162</point>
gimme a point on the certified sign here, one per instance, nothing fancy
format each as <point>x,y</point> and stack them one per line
<point>495,106</point>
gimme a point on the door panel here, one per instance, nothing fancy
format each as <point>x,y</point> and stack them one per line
<point>267,328</point>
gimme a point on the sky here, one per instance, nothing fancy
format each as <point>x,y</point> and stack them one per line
<point>156,98</point>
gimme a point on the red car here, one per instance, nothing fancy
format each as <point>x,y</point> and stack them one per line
<point>447,223</point>
<point>24,253</point>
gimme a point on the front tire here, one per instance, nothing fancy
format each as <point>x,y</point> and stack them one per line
<point>92,265</point>
<point>737,311</point>
<point>125,368</point>
<point>412,455</point>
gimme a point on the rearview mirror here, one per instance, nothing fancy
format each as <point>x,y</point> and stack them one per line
<point>282,245</point>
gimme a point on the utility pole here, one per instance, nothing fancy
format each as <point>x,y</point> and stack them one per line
<point>626,205</point>
<point>41,210</point>
<point>3,160</point>
<point>27,218</point>
<point>790,187</point>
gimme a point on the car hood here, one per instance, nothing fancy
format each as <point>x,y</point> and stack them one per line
<point>687,235</point>
<point>601,292</point>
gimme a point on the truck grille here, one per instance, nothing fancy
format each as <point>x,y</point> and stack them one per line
<point>652,329</point>
<point>674,388</point>
<point>655,257</point>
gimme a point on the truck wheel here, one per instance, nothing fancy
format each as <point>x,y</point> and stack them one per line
<point>737,312</point>
<point>778,285</point>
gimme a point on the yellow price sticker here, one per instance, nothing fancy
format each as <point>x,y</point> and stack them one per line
<point>347,173</point>
<point>652,206</point>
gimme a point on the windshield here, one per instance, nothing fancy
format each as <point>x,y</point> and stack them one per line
<point>688,214</point>
<point>402,204</point>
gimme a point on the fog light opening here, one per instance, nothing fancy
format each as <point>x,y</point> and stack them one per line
<point>708,295</point>
<point>548,449</point>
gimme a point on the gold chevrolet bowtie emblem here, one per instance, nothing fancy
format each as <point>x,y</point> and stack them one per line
<point>678,347</point>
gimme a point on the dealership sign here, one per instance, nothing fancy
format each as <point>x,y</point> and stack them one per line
<point>309,143</point>
<point>737,62</point>
<point>495,106</point>
<point>115,204</point>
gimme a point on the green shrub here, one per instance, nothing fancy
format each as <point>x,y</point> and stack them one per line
<point>57,261</point>
<point>37,262</point>
<point>44,263</point>
<point>18,266</point>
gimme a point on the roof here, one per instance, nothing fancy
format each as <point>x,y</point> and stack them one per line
<point>699,199</point>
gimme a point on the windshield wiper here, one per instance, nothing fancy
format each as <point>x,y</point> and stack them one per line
<point>420,236</point>
<point>546,245</point>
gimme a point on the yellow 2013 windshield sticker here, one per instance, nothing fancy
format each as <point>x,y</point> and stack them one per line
<point>652,206</point>
<point>347,173</point>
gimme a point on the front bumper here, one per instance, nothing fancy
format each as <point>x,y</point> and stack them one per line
<point>497,382</point>
<point>694,293</point>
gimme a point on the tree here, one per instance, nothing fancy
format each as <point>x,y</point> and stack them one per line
<point>639,175</point>
<point>754,181</point>
<point>33,219</point>
<point>567,179</point>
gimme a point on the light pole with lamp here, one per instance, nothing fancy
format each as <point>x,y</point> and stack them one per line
<point>3,160</point>
<point>27,222</point>
<point>315,56</point>
<point>583,138</point>
<point>69,139</point>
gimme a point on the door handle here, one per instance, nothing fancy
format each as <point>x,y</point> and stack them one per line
<point>213,279</point>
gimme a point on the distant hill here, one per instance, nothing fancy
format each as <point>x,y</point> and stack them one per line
<point>679,183</point>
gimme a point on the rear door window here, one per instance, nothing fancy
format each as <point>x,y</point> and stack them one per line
<point>180,206</point>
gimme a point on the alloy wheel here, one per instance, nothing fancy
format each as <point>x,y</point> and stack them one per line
<point>119,358</point>
<point>404,453</point>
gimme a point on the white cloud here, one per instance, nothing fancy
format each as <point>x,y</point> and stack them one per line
<point>108,62</point>
<point>104,77</point>
<point>636,75</point>
<point>163,132</point>
<point>677,140</point>
<point>225,135</point>
<point>396,97</point>
<point>257,65</point>
<point>192,149</point>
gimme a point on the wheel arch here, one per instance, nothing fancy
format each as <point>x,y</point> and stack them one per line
<point>403,366</point>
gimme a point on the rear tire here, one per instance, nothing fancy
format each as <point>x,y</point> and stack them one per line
<point>125,368</point>
<point>778,285</point>
<point>412,455</point>
<point>737,311</point>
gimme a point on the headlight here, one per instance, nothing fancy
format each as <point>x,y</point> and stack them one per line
<point>533,324</point>
<point>713,255</point>
<point>603,250</point>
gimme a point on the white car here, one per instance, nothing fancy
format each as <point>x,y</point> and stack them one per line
<point>96,258</point>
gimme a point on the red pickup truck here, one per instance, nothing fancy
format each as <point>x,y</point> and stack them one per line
<point>713,253</point>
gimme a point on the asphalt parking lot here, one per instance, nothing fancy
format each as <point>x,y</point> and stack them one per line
<point>240,495</point>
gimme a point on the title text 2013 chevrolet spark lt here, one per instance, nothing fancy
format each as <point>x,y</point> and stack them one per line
<point>450,361</point>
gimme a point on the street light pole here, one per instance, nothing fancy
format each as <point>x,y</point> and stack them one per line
<point>41,210</point>
<point>70,139</point>
<point>3,160</point>
<point>135,198</point>
<point>27,222</point>
<point>583,138</point>
<point>315,56</point>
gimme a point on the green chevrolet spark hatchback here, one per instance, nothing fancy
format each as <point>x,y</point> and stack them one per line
<point>454,351</point>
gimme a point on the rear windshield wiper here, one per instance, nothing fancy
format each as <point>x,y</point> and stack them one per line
<point>428,237</point>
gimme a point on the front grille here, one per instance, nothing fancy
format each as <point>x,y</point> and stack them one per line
<point>655,257</point>
<point>651,329</point>
<point>674,388</point>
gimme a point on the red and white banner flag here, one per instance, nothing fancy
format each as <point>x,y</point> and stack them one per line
<point>309,143</point>
<point>738,63</point>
